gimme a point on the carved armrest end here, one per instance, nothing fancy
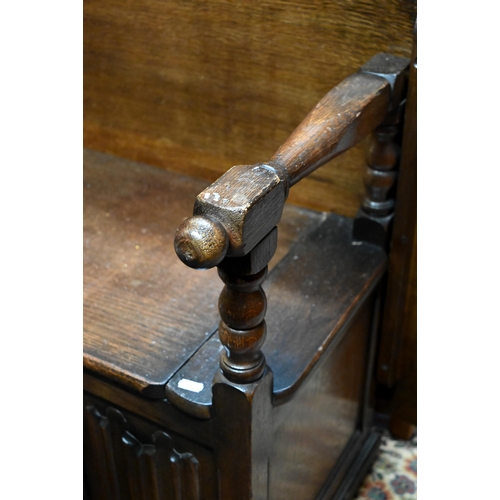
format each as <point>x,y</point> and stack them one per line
<point>234,219</point>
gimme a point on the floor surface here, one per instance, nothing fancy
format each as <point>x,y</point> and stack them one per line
<point>394,474</point>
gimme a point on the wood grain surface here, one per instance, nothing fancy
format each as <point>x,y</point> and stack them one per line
<point>158,411</point>
<point>313,296</point>
<point>129,458</point>
<point>397,362</point>
<point>235,212</point>
<point>196,86</point>
<point>398,346</point>
<point>243,431</point>
<point>311,431</point>
<point>145,313</point>
<point>343,117</point>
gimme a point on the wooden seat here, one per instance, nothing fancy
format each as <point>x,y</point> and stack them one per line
<point>148,326</point>
<point>145,316</point>
<point>259,386</point>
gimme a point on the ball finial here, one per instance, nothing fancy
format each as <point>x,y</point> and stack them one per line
<point>200,242</point>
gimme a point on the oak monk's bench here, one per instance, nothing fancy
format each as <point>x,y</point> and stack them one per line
<point>268,395</point>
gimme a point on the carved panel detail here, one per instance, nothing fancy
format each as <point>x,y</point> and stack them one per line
<point>118,466</point>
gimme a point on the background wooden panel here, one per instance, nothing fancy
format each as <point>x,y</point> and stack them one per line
<point>197,86</point>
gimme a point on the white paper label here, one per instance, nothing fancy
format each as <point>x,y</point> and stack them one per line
<point>190,385</point>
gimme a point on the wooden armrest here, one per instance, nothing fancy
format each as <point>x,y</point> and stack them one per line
<point>239,209</point>
<point>234,219</point>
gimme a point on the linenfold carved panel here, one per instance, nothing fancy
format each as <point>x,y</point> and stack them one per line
<point>119,467</point>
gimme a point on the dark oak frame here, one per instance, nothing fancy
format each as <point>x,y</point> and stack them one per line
<point>240,428</point>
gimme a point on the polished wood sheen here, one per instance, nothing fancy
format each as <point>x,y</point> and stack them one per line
<point>329,404</point>
<point>242,308</point>
<point>243,416</point>
<point>201,253</point>
<point>138,326</point>
<point>342,118</point>
<point>244,204</point>
<point>233,215</point>
<point>397,363</point>
<point>247,201</point>
<point>310,305</point>
<point>183,398</point>
<point>373,221</point>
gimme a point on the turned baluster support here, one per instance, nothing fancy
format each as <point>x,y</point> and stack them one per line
<point>242,330</point>
<point>242,308</point>
<point>372,223</point>
<point>234,219</point>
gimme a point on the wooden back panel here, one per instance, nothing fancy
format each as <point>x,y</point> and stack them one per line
<point>197,86</point>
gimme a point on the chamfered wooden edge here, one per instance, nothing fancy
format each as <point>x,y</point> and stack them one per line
<point>403,242</point>
<point>237,211</point>
<point>159,411</point>
<point>351,467</point>
<point>203,365</point>
<point>133,318</point>
<point>114,181</point>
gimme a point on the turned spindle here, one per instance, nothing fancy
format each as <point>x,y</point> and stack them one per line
<point>372,223</point>
<point>242,308</point>
<point>234,219</point>
<point>381,158</point>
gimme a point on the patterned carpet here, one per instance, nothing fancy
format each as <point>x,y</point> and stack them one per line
<point>394,474</point>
